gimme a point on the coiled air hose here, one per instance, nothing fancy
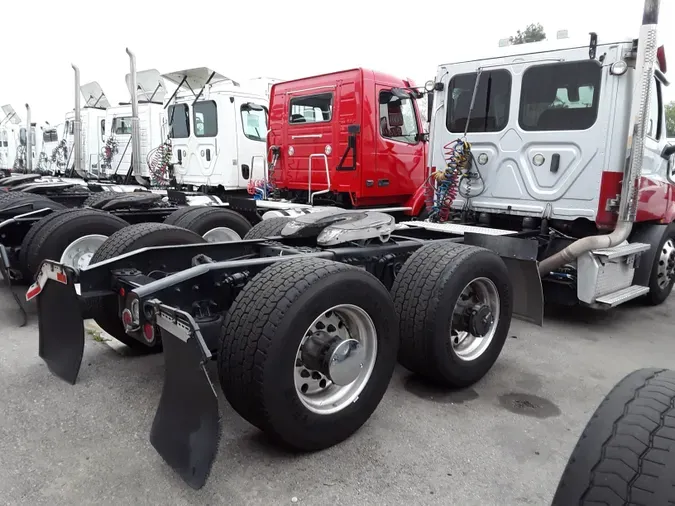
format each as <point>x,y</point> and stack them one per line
<point>439,198</point>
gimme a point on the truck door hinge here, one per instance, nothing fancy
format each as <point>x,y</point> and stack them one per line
<point>612,205</point>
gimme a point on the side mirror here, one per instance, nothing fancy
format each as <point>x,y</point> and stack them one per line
<point>668,151</point>
<point>422,136</point>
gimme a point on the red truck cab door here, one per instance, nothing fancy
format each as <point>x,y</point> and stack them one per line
<point>400,152</point>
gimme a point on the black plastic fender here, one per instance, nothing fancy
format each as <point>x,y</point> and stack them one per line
<point>648,233</point>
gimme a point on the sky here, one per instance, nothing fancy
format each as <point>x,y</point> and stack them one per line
<point>284,39</point>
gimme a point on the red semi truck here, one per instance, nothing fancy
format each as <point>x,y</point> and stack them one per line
<point>352,138</point>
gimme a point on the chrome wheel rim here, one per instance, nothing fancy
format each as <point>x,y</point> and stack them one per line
<point>474,319</point>
<point>221,234</point>
<point>666,268</point>
<point>79,253</point>
<point>329,389</point>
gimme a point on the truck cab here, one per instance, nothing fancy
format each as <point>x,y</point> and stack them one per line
<point>352,138</point>
<point>8,125</point>
<point>548,133</point>
<point>151,93</point>
<point>93,116</point>
<point>217,129</point>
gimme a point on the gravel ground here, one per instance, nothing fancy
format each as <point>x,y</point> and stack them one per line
<point>504,441</point>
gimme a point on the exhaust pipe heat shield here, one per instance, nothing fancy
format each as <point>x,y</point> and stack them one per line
<point>186,428</point>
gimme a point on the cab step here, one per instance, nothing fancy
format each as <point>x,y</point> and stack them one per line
<point>623,295</point>
<point>455,228</point>
<point>622,250</point>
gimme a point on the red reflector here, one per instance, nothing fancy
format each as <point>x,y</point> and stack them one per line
<point>126,318</point>
<point>123,292</point>
<point>33,291</point>
<point>61,278</point>
<point>661,58</point>
<point>149,332</point>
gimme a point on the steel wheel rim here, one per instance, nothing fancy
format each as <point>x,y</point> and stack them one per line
<point>465,345</point>
<point>221,234</point>
<point>78,254</point>
<point>666,268</point>
<point>314,389</point>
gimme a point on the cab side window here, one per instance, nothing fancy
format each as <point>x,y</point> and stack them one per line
<point>397,118</point>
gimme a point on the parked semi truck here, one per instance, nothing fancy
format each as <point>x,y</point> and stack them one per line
<point>307,315</point>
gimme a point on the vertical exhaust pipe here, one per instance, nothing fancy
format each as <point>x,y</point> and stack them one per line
<point>635,149</point>
<point>29,142</point>
<point>77,128</point>
<point>135,122</point>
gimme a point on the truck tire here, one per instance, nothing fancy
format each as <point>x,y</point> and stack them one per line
<point>11,199</point>
<point>53,235</point>
<point>265,377</point>
<point>271,227</point>
<point>624,453</point>
<point>133,237</point>
<point>426,292</point>
<point>662,275</point>
<point>96,197</point>
<point>215,224</point>
<point>177,215</point>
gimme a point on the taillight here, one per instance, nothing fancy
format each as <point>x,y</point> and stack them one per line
<point>149,332</point>
<point>127,319</point>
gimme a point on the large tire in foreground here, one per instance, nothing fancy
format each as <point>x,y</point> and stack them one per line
<point>215,223</point>
<point>426,292</point>
<point>133,237</point>
<point>626,453</point>
<point>272,385</point>
<point>48,238</point>
<point>270,227</point>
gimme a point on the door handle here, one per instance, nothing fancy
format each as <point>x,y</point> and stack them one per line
<point>245,171</point>
<point>555,162</point>
<point>208,154</point>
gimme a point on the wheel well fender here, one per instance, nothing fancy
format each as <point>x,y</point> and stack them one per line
<point>648,233</point>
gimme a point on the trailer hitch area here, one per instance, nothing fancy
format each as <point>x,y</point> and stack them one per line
<point>60,325</point>
<point>186,428</point>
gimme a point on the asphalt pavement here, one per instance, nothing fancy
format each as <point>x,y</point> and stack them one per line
<point>505,441</point>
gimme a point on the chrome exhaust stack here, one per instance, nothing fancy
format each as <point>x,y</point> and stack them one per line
<point>135,122</point>
<point>634,150</point>
<point>77,129</point>
<point>29,142</point>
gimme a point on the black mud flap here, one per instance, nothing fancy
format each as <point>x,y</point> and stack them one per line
<point>520,257</point>
<point>60,325</point>
<point>4,271</point>
<point>186,428</point>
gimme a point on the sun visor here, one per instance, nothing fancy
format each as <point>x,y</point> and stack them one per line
<point>94,96</point>
<point>149,86</point>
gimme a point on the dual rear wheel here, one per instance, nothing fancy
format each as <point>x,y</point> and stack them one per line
<point>309,345</point>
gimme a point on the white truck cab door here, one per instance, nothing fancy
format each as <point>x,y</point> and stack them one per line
<point>205,118</point>
<point>178,124</point>
<point>252,121</point>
